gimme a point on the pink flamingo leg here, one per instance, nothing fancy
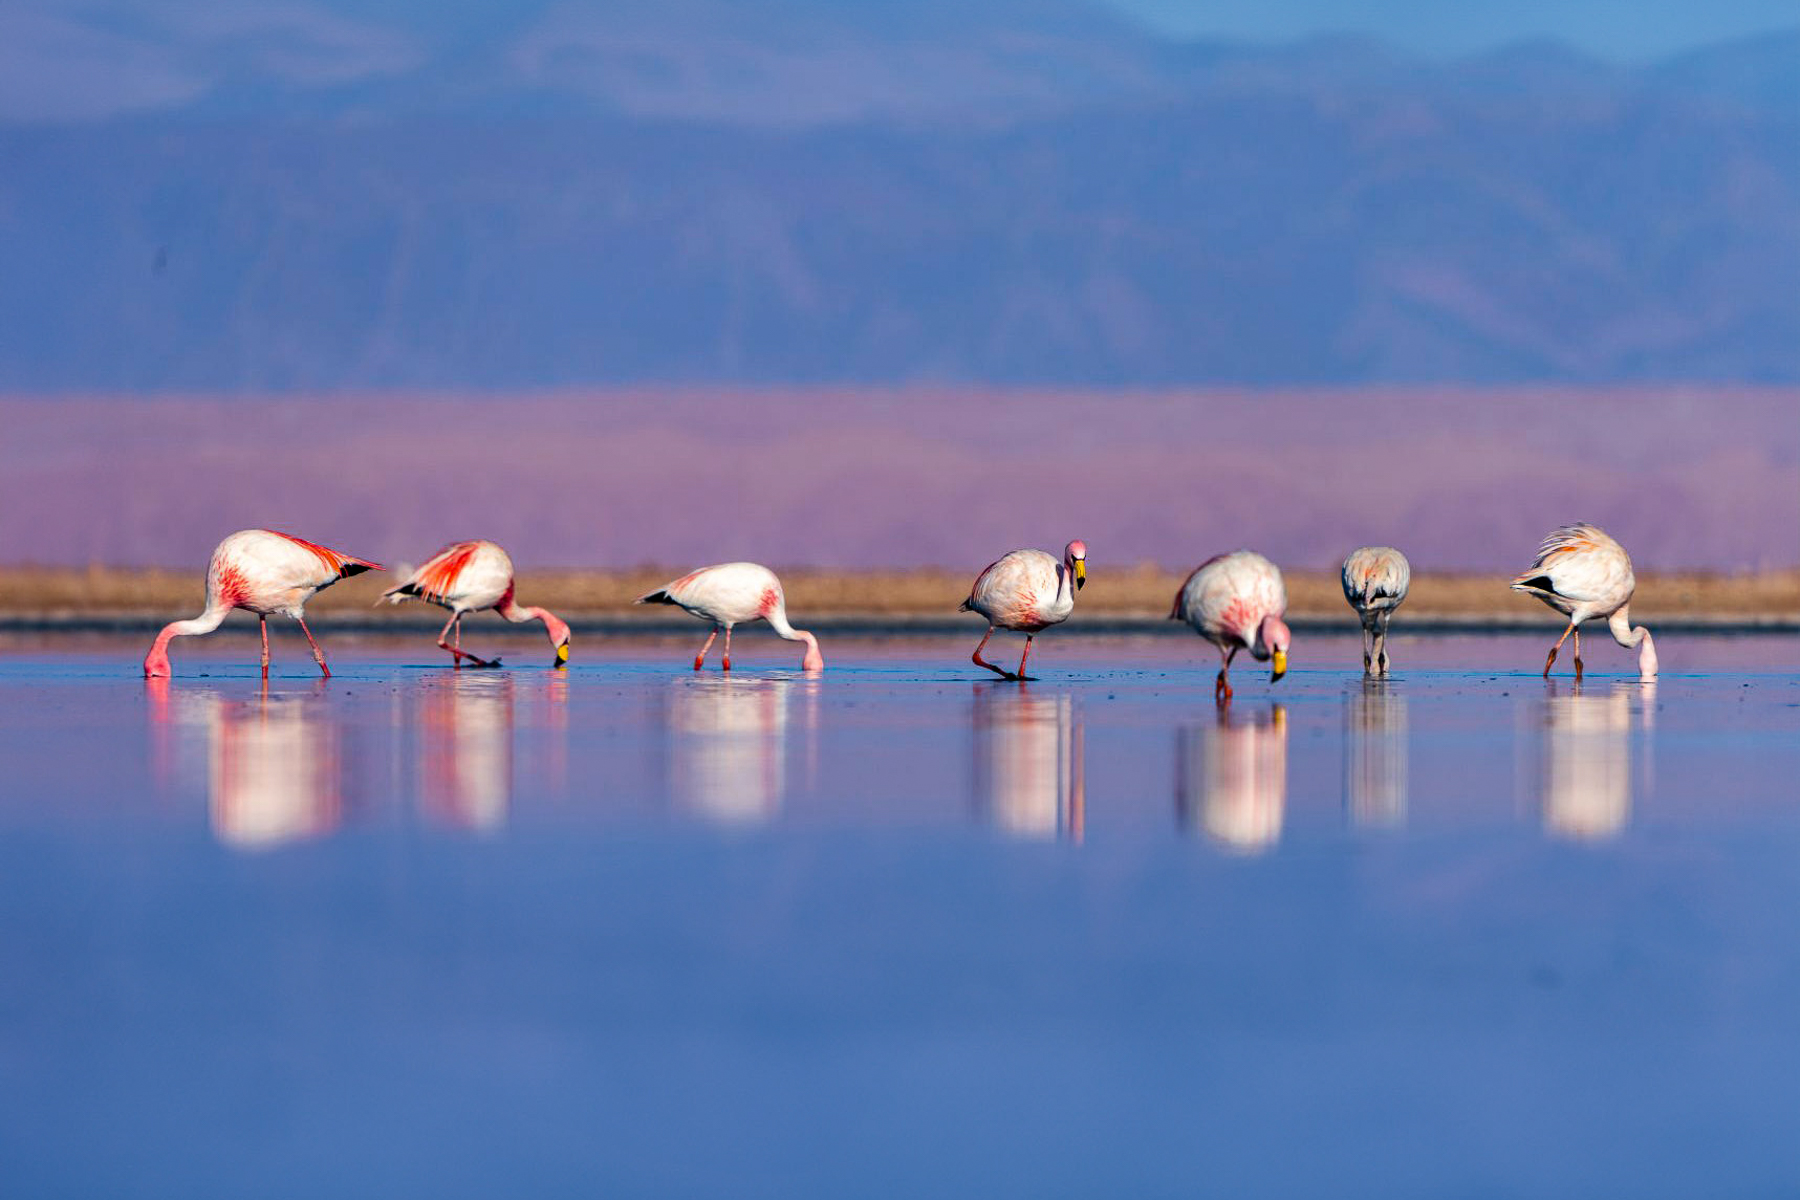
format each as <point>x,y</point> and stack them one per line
<point>1222,687</point>
<point>728,647</point>
<point>1577,655</point>
<point>979,661</point>
<point>318,654</point>
<point>1025,656</point>
<point>454,626</point>
<point>1551,661</point>
<point>700,658</point>
<point>264,623</point>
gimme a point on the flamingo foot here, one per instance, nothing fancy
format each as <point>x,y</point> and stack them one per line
<point>1549,662</point>
<point>1578,668</point>
<point>1222,689</point>
<point>727,662</point>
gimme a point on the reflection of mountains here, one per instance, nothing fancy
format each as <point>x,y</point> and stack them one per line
<point>1231,778</point>
<point>1028,761</point>
<point>1376,753</point>
<point>1587,758</point>
<point>466,749</point>
<point>274,772</point>
<point>728,746</point>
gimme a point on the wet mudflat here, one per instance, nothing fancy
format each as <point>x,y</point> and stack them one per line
<point>898,930</point>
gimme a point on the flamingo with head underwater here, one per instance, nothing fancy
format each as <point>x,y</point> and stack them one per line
<point>1026,591</point>
<point>266,573</point>
<point>467,577</point>
<point>1236,601</point>
<point>1581,571</point>
<point>1375,580</point>
<point>731,594</point>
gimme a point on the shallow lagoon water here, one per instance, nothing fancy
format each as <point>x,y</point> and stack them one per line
<point>898,930</point>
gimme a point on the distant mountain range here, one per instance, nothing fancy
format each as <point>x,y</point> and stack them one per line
<point>294,195</point>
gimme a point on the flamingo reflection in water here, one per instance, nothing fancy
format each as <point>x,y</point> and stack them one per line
<point>1375,765</point>
<point>1029,772</point>
<point>1588,785</point>
<point>466,749</point>
<point>1231,778</point>
<point>274,773</point>
<point>728,746</point>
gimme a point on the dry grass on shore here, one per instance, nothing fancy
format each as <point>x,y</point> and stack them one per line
<point>1142,590</point>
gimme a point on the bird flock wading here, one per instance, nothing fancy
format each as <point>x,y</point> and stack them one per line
<point>1236,601</point>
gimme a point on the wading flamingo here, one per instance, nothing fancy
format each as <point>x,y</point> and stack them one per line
<point>1375,582</point>
<point>467,577</point>
<point>1236,601</point>
<point>1026,591</point>
<point>730,593</point>
<point>1584,573</point>
<point>267,573</point>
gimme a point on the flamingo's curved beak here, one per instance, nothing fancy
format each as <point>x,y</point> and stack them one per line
<point>1280,665</point>
<point>1080,573</point>
<point>562,656</point>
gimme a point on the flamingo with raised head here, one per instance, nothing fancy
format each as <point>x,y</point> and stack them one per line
<point>467,577</point>
<point>1582,572</point>
<point>1236,602</point>
<point>1375,581</point>
<point>730,594</point>
<point>267,573</point>
<point>1026,591</point>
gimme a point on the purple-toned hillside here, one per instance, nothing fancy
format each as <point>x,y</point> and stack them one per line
<point>1460,478</point>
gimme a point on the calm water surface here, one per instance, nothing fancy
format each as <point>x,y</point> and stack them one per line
<point>898,930</point>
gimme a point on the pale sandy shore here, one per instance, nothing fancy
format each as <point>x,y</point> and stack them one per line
<point>1133,599</point>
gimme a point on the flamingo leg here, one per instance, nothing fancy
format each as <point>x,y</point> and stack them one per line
<point>263,621</point>
<point>1578,656</point>
<point>1368,648</point>
<point>1552,659</point>
<point>451,639</point>
<point>318,654</point>
<point>728,647</point>
<point>979,661</point>
<point>1381,654</point>
<point>1024,656</point>
<point>700,658</point>
<point>1222,688</point>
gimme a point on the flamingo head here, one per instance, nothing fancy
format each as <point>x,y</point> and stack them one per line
<point>1075,558</point>
<point>558,630</point>
<point>156,665</point>
<point>1272,639</point>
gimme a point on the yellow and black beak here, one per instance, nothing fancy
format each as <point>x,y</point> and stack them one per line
<point>1280,665</point>
<point>1080,573</point>
<point>562,656</point>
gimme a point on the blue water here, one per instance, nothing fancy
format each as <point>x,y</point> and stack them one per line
<point>628,930</point>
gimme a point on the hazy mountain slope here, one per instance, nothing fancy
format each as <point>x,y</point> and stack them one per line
<point>380,202</point>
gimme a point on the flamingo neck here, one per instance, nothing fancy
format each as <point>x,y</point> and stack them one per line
<point>157,661</point>
<point>814,661</point>
<point>518,614</point>
<point>1638,639</point>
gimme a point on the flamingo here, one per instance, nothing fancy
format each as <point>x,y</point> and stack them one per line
<point>1027,591</point>
<point>467,577</point>
<point>1236,601</point>
<point>1375,582</point>
<point>267,573</point>
<point>730,593</point>
<point>1581,571</point>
